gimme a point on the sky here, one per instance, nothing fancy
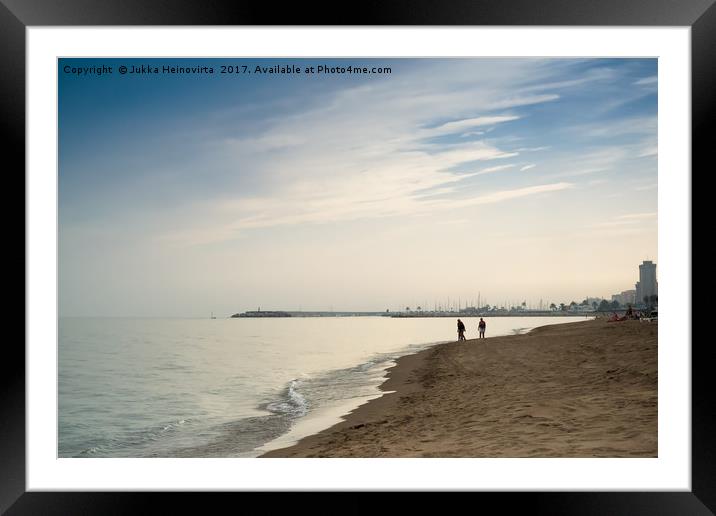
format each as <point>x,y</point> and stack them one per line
<point>513,179</point>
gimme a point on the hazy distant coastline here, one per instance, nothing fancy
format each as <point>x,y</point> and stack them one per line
<point>535,313</point>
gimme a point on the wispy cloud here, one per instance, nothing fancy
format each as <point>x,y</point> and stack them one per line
<point>527,167</point>
<point>650,150</point>
<point>532,149</point>
<point>603,159</point>
<point>652,79</point>
<point>473,151</point>
<point>594,75</point>
<point>490,170</point>
<point>641,125</point>
<point>524,101</point>
<point>506,195</point>
<point>469,123</point>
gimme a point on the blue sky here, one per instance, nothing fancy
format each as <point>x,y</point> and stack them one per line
<point>512,177</point>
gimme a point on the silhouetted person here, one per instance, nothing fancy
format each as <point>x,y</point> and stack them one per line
<point>481,327</point>
<point>460,330</point>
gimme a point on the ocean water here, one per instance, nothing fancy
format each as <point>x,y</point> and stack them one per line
<point>229,387</point>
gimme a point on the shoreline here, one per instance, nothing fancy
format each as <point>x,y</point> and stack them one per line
<point>586,389</point>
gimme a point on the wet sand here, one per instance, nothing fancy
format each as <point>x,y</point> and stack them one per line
<point>585,389</point>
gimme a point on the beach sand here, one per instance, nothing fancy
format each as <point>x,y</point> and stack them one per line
<point>585,389</point>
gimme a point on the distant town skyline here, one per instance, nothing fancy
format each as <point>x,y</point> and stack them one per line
<point>646,274</point>
<point>520,179</point>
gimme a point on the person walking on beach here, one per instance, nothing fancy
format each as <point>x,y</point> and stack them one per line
<point>481,326</point>
<point>460,330</point>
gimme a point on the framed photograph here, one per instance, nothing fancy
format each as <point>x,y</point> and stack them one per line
<point>418,250</point>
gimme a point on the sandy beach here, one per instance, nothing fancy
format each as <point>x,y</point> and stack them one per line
<point>584,389</point>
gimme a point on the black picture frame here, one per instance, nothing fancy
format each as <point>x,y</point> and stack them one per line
<point>17,15</point>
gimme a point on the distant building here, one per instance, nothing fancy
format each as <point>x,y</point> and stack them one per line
<point>647,284</point>
<point>626,297</point>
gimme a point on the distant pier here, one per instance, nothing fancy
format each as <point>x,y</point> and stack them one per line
<point>259,313</point>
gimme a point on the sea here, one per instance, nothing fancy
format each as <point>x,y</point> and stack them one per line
<point>140,387</point>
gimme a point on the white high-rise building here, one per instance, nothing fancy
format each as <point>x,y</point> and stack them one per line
<point>647,285</point>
